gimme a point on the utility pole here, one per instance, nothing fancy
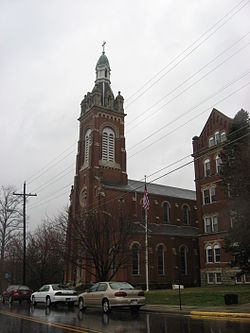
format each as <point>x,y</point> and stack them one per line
<point>24,195</point>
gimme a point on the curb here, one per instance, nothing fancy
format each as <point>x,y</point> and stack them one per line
<point>231,315</point>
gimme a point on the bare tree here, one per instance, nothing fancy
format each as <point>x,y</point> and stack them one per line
<point>99,243</point>
<point>45,254</point>
<point>10,221</point>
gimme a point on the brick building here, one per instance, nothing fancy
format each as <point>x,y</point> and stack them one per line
<point>214,218</point>
<point>101,173</point>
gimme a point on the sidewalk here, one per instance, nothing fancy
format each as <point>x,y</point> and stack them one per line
<point>228,311</point>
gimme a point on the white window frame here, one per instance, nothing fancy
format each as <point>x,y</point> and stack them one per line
<point>211,141</point>
<point>218,281</point>
<point>207,196</point>
<point>223,136</point>
<point>210,274</point>
<point>212,194</point>
<point>217,137</point>
<point>218,163</point>
<point>215,218</point>
<point>207,167</point>
<point>217,247</point>
<point>209,254</point>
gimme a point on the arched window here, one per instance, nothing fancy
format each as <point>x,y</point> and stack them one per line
<point>207,168</point>
<point>165,212</point>
<point>135,259</point>
<point>217,253</point>
<point>223,136</point>
<point>218,163</point>
<point>108,145</point>
<point>87,141</point>
<point>185,214</point>
<point>160,260</point>
<point>183,259</point>
<point>209,254</point>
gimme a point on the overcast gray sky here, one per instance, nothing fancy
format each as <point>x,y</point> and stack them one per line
<point>172,60</point>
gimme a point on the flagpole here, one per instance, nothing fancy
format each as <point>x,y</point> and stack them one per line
<point>146,244</point>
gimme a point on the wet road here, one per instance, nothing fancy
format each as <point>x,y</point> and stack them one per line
<point>25,319</point>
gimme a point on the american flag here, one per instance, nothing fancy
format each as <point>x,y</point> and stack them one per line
<point>145,199</point>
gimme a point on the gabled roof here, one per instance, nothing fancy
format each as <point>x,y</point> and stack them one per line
<point>214,113</point>
<point>155,189</point>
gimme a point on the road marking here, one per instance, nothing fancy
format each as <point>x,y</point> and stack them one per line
<point>220,316</point>
<point>44,322</point>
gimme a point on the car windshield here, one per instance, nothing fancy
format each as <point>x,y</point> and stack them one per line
<point>60,287</point>
<point>121,286</point>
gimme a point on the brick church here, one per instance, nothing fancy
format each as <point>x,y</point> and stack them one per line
<point>185,231</point>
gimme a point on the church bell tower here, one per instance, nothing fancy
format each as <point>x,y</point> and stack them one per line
<point>101,157</point>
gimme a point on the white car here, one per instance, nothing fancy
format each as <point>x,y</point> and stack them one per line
<point>54,293</point>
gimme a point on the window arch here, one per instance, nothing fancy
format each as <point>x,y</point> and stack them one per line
<point>108,145</point>
<point>183,259</point>
<point>166,211</point>
<point>87,142</point>
<point>207,168</point>
<point>209,254</point>
<point>160,260</point>
<point>223,136</point>
<point>185,214</point>
<point>218,163</point>
<point>135,259</point>
<point>217,253</point>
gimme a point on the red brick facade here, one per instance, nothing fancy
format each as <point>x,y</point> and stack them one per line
<point>101,175</point>
<point>214,218</point>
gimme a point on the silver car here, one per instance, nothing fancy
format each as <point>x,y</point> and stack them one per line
<point>54,293</point>
<point>108,295</point>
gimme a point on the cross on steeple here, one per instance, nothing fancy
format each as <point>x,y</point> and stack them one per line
<point>103,45</point>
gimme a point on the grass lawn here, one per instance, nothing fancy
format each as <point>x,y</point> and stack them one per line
<point>208,296</point>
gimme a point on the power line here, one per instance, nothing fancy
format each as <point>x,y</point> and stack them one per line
<point>185,81</point>
<point>190,110</point>
<point>47,166</point>
<point>195,117</point>
<point>172,61</point>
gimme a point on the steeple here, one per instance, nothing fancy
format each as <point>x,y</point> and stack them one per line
<point>102,68</point>
<point>102,94</point>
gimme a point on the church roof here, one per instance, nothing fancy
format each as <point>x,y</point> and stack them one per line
<point>155,189</point>
<point>168,229</point>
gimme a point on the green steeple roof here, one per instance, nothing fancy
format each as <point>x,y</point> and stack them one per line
<point>103,60</point>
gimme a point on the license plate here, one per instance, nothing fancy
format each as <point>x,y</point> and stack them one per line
<point>133,302</point>
<point>67,299</point>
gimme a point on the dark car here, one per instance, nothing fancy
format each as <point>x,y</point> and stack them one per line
<point>16,293</point>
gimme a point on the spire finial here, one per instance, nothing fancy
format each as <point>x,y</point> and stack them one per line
<point>103,46</point>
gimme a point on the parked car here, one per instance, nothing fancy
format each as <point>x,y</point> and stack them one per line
<point>16,293</point>
<point>108,295</point>
<point>54,293</point>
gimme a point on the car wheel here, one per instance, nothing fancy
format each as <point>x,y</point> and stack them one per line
<point>81,304</point>
<point>105,306</point>
<point>33,301</point>
<point>10,300</point>
<point>48,302</point>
